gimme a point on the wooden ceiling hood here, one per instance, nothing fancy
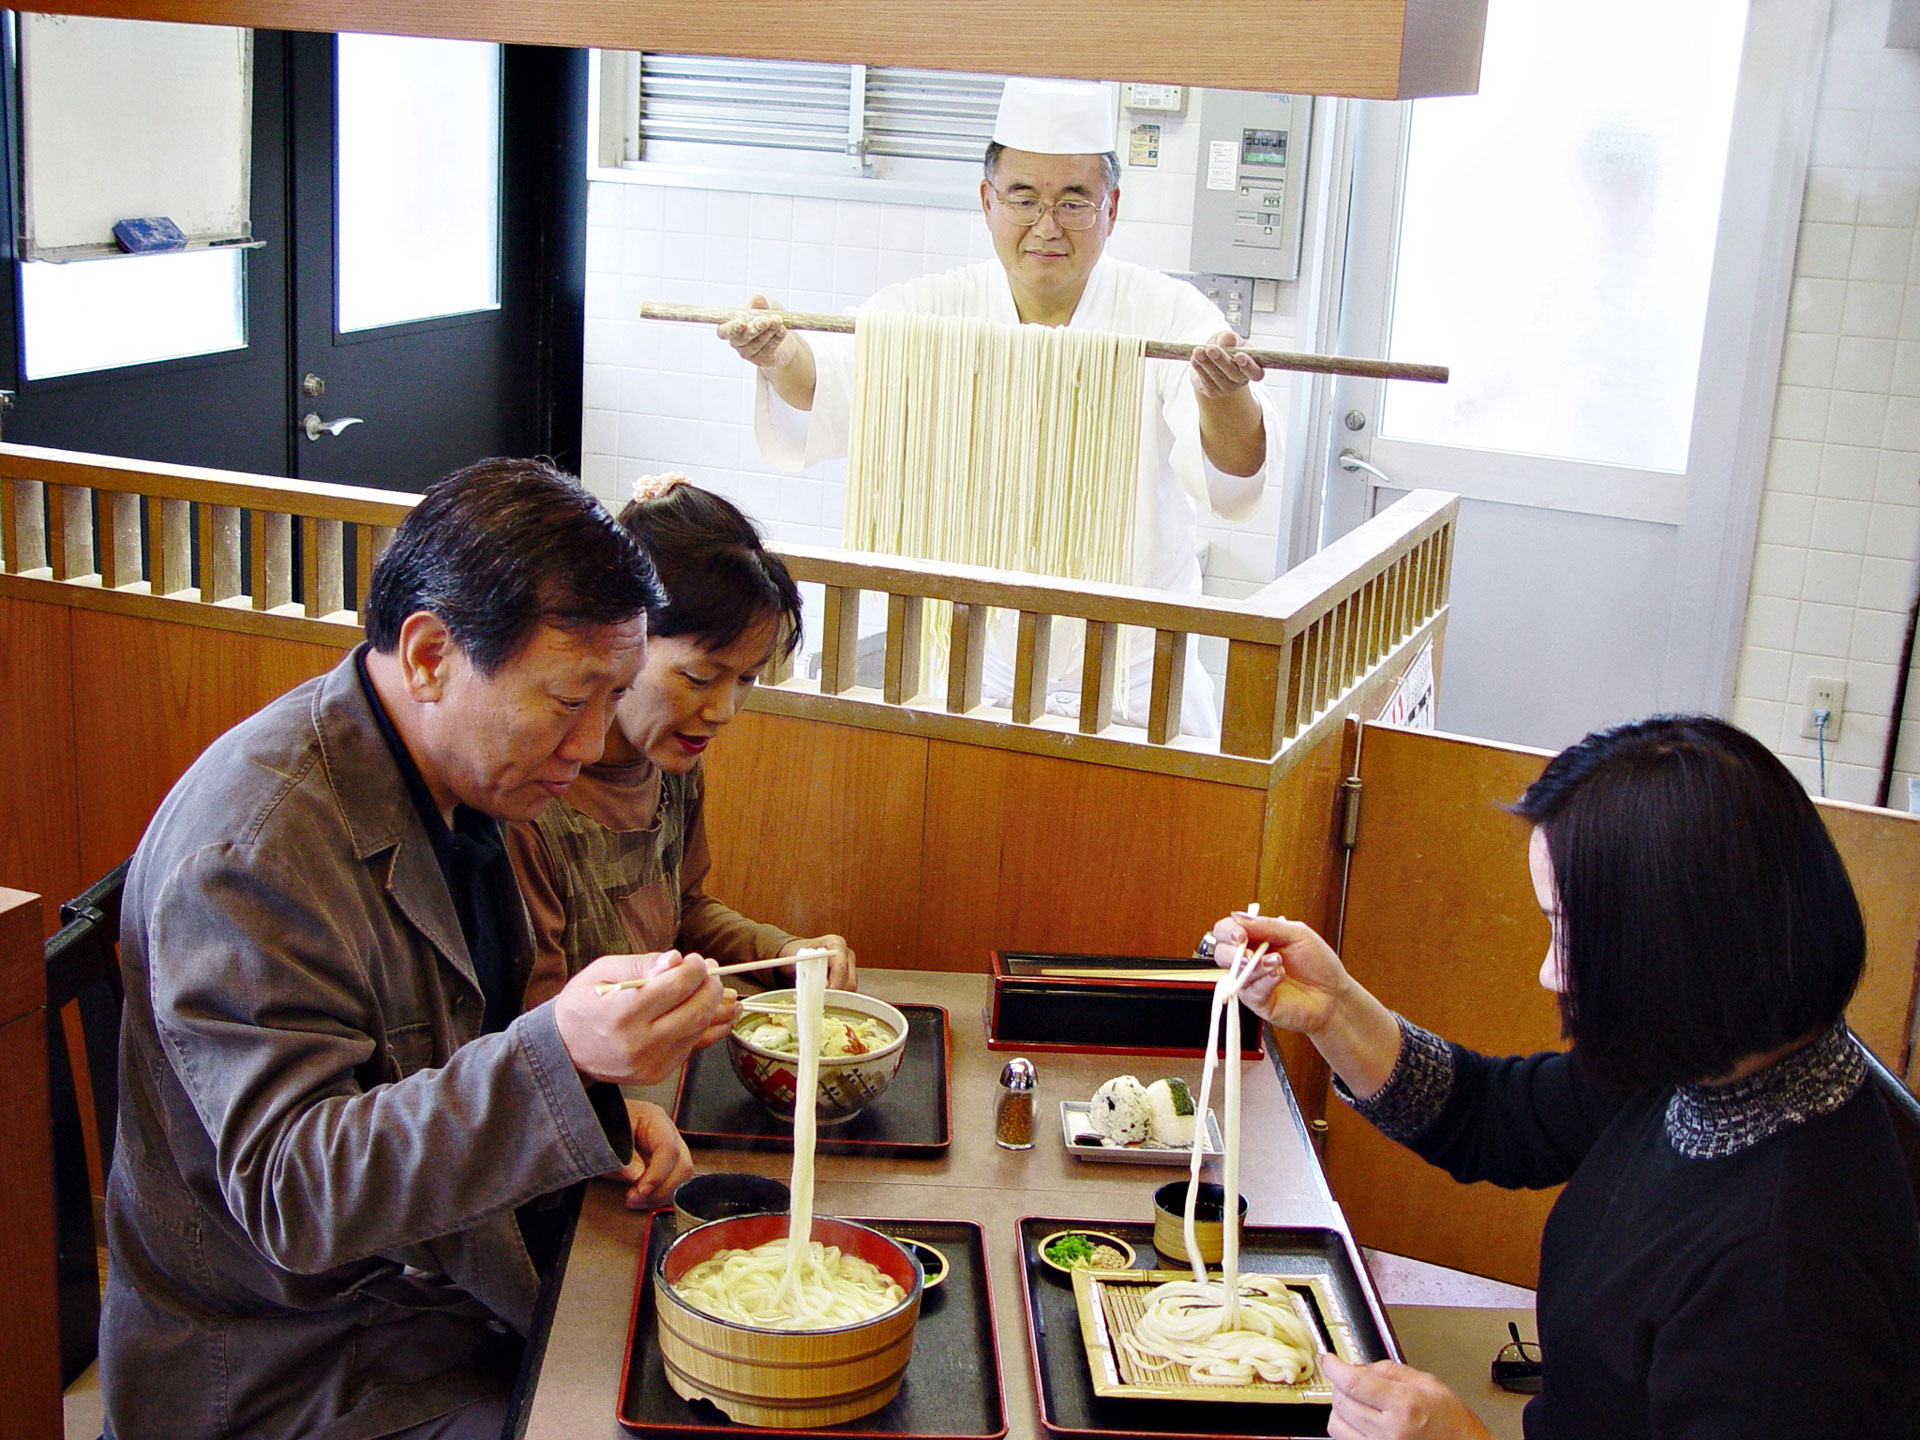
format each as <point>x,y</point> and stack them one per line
<point>1375,49</point>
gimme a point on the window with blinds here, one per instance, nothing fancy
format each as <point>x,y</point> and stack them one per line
<point>872,121</point>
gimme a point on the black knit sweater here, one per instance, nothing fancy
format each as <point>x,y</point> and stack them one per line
<point>1725,1263</point>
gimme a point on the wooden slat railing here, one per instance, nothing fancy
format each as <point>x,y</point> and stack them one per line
<point>194,537</point>
<point>272,556</point>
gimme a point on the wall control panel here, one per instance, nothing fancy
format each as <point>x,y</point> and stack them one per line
<point>1232,293</point>
<point>1249,183</point>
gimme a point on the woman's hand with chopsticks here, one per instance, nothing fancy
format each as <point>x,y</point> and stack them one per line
<point>668,1006</point>
<point>1297,984</point>
<point>842,973</point>
<point>1300,985</point>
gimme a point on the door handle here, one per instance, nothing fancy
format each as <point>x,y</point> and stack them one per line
<point>1376,477</point>
<point>315,427</point>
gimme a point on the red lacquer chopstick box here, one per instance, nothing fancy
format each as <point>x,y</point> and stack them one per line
<point>1136,1004</point>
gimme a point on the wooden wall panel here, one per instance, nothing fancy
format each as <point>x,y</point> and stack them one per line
<point>815,827</point>
<point>1882,851</point>
<point>1442,925</point>
<point>1033,852</point>
<point>148,698</point>
<point>1302,862</point>
<point>29,1321</point>
<point>39,842</point>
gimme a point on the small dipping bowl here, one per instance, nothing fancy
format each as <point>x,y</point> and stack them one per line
<point>723,1194</point>
<point>933,1264</point>
<point>1097,1237</point>
<point>1169,1221</point>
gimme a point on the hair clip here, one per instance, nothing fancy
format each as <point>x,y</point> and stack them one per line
<point>652,487</point>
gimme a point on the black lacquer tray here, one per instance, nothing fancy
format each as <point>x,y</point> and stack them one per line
<point>952,1385</point>
<point>912,1119</point>
<point>1064,1386</point>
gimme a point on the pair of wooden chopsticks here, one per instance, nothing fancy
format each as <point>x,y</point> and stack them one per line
<point>1242,967</point>
<point>1155,349</point>
<point>817,953</point>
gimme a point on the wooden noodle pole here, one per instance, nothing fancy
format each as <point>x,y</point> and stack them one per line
<point>1155,349</point>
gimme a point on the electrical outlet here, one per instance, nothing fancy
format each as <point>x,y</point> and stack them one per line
<point>1823,693</point>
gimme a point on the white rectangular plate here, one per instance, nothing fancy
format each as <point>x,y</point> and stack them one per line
<point>1074,1120</point>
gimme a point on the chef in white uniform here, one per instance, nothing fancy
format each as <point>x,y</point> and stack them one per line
<point>1208,434</point>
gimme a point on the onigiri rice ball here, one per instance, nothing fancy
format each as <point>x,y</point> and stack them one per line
<point>1170,1104</point>
<point>1120,1111</point>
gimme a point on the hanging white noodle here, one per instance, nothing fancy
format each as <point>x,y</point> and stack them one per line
<point>1010,446</point>
<point>809,1005</point>
<point>1229,1331</point>
<point>796,1283</point>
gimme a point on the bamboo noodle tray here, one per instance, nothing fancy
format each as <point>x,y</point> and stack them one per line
<point>1066,1379</point>
<point>1112,1301</point>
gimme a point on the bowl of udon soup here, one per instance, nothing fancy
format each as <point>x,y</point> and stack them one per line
<point>862,1042</point>
<point>832,1350</point>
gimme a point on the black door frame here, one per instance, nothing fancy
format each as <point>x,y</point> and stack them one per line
<point>173,410</point>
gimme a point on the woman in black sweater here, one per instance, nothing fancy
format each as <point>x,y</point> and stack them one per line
<point>1736,1253</point>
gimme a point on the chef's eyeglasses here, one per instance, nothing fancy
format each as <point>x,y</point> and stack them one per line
<point>1517,1366</point>
<point>1068,214</point>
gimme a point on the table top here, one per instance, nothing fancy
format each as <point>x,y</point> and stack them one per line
<point>579,1380</point>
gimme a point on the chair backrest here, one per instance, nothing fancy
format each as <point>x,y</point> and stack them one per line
<point>83,969</point>
<point>1903,1106</point>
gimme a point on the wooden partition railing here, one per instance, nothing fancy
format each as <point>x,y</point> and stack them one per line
<point>274,557</point>
<point>1295,650</point>
<point>188,536</point>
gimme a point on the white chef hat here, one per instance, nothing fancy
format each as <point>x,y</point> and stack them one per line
<point>1055,117</point>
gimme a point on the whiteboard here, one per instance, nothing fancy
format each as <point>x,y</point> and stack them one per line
<point>122,119</point>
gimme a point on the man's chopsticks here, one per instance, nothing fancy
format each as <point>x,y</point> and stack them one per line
<point>1156,349</point>
<point>609,986</point>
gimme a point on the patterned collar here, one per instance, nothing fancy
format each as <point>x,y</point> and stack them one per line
<point>1709,1122</point>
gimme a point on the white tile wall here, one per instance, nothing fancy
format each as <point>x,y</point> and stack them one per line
<point>662,396</point>
<point>1834,568</point>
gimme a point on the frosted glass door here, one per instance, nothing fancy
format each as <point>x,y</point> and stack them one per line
<point>1598,245</point>
<point>1557,233</point>
<point>418,198</point>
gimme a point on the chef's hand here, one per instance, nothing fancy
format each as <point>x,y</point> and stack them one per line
<point>641,1036</point>
<point>1298,984</point>
<point>762,341</point>
<point>661,1160</point>
<point>841,971</point>
<point>1390,1401</point>
<point>1222,366</point>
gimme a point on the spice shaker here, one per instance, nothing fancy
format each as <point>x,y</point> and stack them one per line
<point>1013,1106</point>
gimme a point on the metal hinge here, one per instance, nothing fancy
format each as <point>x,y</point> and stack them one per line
<point>1349,812</point>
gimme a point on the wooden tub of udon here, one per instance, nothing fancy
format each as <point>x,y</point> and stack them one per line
<point>784,1379</point>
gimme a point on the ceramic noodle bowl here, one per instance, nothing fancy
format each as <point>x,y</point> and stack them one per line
<point>784,1379</point>
<point>848,1083</point>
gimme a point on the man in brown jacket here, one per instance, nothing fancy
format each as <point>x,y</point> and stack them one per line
<point>335,1127</point>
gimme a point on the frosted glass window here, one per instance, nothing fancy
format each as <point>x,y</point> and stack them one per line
<point>1557,234</point>
<point>418,147</point>
<point>99,314</point>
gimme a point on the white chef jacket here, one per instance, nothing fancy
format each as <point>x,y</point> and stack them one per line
<point>1120,298</point>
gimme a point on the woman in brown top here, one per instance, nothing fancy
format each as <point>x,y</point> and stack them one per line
<point>616,865</point>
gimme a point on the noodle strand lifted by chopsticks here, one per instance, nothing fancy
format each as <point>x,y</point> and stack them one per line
<point>1224,1332</point>
<point>809,1007</point>
<point>795,1283</point>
